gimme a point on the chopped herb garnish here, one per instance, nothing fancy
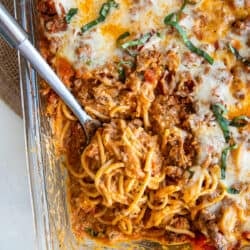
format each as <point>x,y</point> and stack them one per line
<point>189,44</point>
<point>122,75</point>
<point>191,172</point>
<point>104,11</point>
<point>174,16</point>
<point>224,156</point>
<point>129,63</point>
<point>88,62</point>
<point>106,8</point>
<point>239,121</point>
<point>238,56</point>
<point>172,20</point>
<point>159,34</point>
<point>90,25</point>
<point>185,2</point>
<point>219,112</point>
<point>121,71</point>
<point>91,232</point>
<point>137,42</point>
<point>169,18</point>
<point>70,14</point>
<point>122,36</point>
<point>232,190</point>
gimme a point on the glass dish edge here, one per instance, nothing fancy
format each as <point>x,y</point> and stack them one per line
<point>31,118</point>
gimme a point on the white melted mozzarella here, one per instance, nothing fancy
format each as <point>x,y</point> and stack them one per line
<point>244,164</point>
<point>65,4</point>
<point>148,15</point>
<point>154,43</point>
<point>99,49</point>
<point>68,46</point>
<point>239,168</point>
<point>137,17</point>
<point>188,21</point>
<point>243,41</point>
<point>211,141</point>
<point>214,85</point>
<point>239,3</point>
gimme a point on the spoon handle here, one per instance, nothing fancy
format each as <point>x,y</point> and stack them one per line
<point>11,31</point>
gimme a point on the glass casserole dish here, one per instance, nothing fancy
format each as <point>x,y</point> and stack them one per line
<point>47,177</point>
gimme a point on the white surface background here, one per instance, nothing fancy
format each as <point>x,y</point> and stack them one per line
<point>16,226</point>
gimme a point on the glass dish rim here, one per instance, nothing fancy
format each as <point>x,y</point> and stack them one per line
<point>23,11</point>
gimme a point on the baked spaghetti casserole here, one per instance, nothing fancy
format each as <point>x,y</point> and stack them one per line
<point>170,82</point>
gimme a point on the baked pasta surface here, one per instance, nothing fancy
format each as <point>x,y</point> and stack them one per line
<point>170,81</point>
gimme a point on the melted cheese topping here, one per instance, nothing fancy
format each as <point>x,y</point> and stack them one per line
<point>140,17</point>
<point>212,13</point>
<point>143,16</point>
<point>211,141</point>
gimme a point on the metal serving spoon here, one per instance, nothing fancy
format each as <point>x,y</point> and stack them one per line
<point>17,38</point>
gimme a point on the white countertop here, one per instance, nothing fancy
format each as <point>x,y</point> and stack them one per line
<point>16,225</point>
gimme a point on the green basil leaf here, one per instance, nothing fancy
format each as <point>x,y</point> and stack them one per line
<point>129,63</point>
<point>175,15</point>
<point>239,121</point>
<point>224,156</point>
<point>191,172</point>
<point>88,62</point>
<point>159,34</point>
<point>122,75</point>
<point>232,190</point>
<point>219,111</point>
<point>238,56</point>
<point>189,44</point>
<point>185,2</point>
<point>172,20</point>
<point>104,11</point>
<point>122,36</point>
<point>137,42</point>
<point>90,25</point>
<point>220,108</point>
<point>169,18</point>
<point>91,232</point>
<point>121,71</point>
<point>70,14</point>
